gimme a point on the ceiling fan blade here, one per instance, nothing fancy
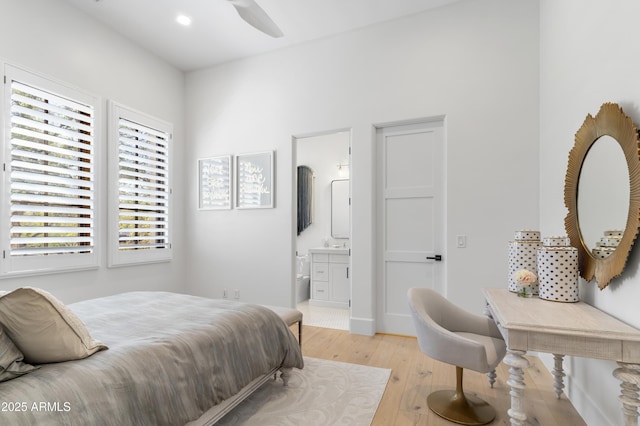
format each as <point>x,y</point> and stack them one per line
<point>255,16</point>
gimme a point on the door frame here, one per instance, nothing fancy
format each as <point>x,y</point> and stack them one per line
<point>294,206</point>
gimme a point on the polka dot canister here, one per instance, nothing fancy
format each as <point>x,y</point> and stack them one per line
<point>558,270</point>
<point>522,255</point>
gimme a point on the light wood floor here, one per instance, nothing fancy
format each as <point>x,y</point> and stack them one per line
<point>414,375</point>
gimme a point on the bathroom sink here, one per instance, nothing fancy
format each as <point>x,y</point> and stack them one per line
<point>332,250</point>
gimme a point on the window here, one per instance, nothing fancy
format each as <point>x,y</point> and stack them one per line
<point>140,187</point>
<point>49,169</point>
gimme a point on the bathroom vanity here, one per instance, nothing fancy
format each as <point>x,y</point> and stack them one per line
<point>330,282</point>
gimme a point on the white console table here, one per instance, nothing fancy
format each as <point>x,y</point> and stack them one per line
<point>577,329</point>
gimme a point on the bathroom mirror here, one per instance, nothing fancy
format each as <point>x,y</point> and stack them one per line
<point>340,208</point>
<point>602,193</point>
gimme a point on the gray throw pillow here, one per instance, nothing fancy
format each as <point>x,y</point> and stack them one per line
<point>11,365</point>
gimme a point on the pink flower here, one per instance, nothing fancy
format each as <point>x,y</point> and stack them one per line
<point>525,277</point>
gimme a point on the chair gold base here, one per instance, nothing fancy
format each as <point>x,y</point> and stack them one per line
<point>467,410</point>
<point>457,407</point>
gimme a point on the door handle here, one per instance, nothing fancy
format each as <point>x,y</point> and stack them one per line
<point>437,257</point>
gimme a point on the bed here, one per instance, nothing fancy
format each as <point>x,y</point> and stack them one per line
<point>172,359</point>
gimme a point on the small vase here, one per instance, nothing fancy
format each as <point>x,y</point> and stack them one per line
<point>525,291</point>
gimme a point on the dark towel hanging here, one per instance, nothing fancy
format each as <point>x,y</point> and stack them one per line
<point>305,196</point>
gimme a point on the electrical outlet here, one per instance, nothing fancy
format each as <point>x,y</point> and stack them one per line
<point>224,294</point>
<point>236,293</point>
<point>461,241</point>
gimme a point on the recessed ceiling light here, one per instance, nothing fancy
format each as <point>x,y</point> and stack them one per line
<point>183,20</point>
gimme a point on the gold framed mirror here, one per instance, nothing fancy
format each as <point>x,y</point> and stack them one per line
<point>599,199</point>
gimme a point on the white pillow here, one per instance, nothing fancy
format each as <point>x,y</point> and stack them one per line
<point>43,328</point>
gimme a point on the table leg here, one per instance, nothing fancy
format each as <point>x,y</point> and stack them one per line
<point>491,376</point>
<point>558,374</point>
<point>516,360</point>
<point>629,374</point>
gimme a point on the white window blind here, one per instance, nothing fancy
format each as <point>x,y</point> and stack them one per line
<point>51,173</point>
<point>141,145</point>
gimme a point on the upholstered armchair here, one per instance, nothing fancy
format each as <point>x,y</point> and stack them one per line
<point>454,336</point>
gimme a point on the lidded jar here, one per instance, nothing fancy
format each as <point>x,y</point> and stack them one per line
<point>523,255</point>
<point>607,244</point>
<point>558,270</point>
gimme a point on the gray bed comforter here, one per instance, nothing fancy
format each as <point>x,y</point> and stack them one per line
<point>171,357</point>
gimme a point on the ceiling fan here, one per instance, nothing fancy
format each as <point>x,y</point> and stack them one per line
<point>255,16</point>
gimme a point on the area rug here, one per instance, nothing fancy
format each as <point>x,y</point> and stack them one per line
<point>323,393</point>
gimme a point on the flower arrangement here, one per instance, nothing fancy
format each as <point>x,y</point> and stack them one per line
<point>525,278</point>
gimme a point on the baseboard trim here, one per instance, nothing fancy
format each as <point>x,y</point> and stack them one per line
<point>364,326</point>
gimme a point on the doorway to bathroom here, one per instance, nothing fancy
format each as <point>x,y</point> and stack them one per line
<point>322,249</point>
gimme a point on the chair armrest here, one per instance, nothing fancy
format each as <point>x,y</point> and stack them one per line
<point>446,346</point>
<point>462,321</point>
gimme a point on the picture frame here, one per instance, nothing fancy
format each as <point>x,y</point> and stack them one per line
<point>254,181</point>
<point>215,183</point>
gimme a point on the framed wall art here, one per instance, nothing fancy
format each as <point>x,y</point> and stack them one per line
<point>254,180</point>
<point>215,183</point>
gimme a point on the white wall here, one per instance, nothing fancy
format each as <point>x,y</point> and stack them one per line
<point>475,62</point>
<point>587,58</point>
<point>322,153</point>
<point>52,38</point>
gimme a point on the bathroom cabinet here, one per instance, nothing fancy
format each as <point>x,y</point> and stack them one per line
<point>330,282</point>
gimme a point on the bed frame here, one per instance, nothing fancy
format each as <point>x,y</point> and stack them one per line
<point>215,413</point>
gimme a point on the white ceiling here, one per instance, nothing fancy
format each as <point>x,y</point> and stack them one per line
<point>219,35</point>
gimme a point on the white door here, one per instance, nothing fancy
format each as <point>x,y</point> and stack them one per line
<point>410,228</point>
